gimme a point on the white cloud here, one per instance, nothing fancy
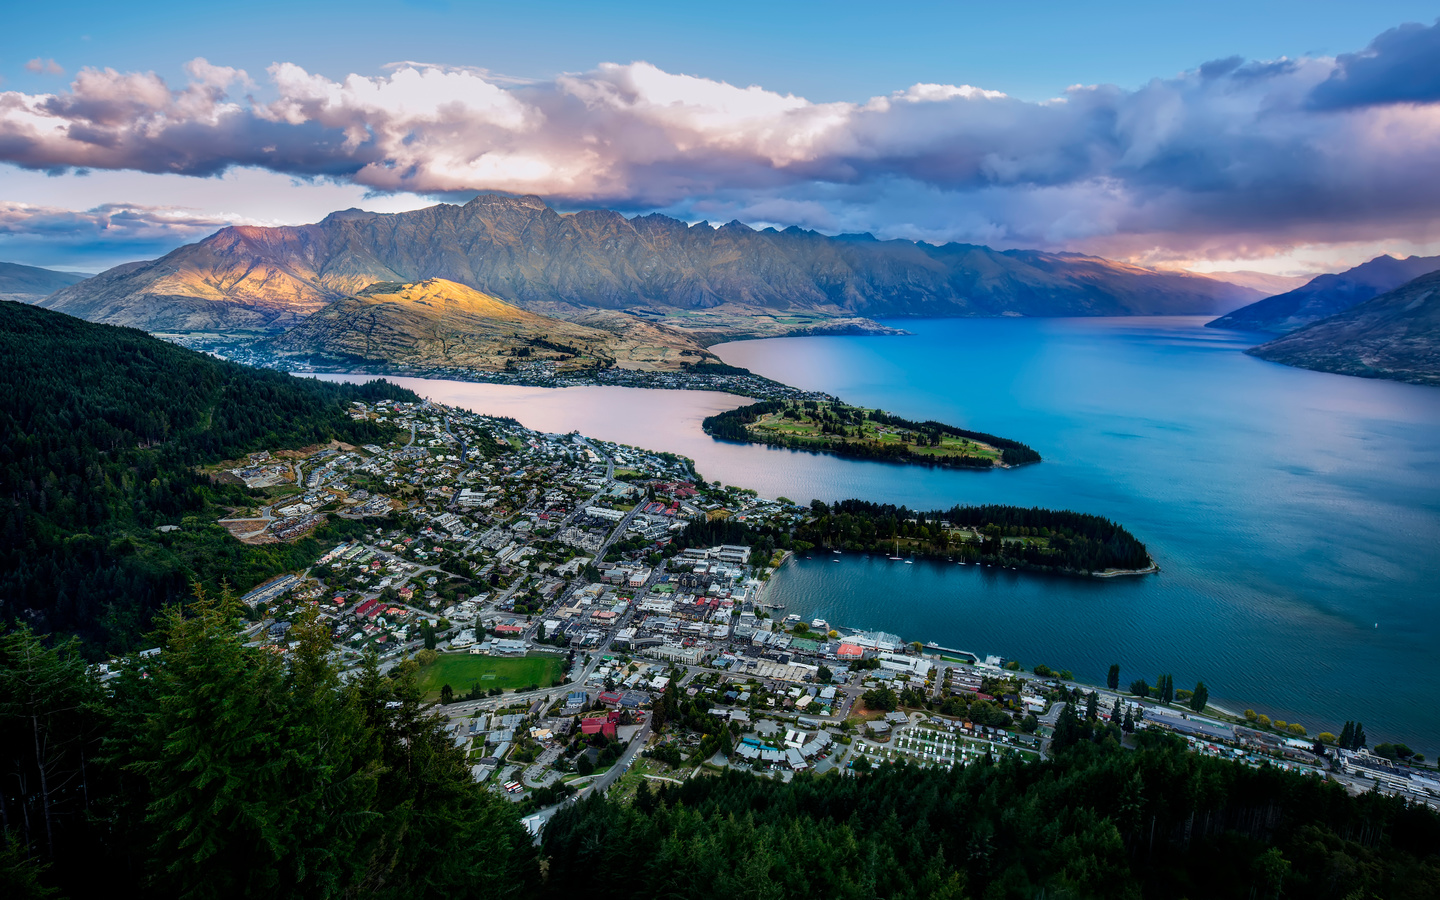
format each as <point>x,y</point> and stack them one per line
<point>1230,156</point>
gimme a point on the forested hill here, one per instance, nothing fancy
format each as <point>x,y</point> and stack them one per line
<point>104,427</point>
<point>1013,537</point>
<point>1097,822</point>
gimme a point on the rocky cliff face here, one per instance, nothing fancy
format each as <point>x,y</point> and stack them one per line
<point>441,323</point>
<point>1327,295</point>
<point>28,284</point>
<point>1395,335</point>
<point>519,249</point>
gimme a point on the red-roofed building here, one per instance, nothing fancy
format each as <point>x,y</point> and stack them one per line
<point>598,726</point>
<point>610,698</point>
<point>849,651</point>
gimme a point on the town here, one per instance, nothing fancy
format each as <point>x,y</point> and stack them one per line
<point>549,595</point>
<point>540,373</point>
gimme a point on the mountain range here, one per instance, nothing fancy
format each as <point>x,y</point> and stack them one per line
<point>521,251</point>
<point>1326,295</point>
<point>1395,335</point>
<point>28,284</point>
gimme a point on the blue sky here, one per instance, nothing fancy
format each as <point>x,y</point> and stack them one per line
<point>1168,162</point>
<point>824,51</point>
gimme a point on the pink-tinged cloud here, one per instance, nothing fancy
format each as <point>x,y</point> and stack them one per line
<point>1229,156</point>
<point>44,67</point>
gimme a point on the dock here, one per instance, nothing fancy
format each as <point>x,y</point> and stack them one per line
<point>973,657</point>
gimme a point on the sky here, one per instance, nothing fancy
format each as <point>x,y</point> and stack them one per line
<point>1283,137</point>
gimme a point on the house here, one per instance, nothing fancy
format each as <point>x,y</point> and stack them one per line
<point>610,698</point>
<point>599,726</point>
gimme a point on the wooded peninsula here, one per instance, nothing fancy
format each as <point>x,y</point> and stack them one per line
<point>1009,537</point>
<point>857,432</point>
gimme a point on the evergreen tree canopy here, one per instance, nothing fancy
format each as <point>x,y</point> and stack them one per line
<point>104,430</point>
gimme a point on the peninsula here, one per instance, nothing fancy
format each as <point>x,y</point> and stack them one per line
<point>855,432</point>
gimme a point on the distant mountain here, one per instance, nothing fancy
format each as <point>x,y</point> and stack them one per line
<point>1261,281</point>
<point>28,284</point>
<point>1327,295</point>
<point>441,323</point>
<point>524,252</point>
<point>1395,335</point>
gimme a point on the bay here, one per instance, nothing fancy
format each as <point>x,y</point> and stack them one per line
<point>1295,515</point>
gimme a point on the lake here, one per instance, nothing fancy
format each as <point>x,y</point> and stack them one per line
<point>1295,515</point>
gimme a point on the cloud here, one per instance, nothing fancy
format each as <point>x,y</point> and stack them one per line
<point>110,233</point>
<point>44,67</point>
<point>1231,157</point>
<point>1400,66</point>
<point>129,219</point>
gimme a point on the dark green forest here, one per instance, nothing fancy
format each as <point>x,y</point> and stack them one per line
<point>1011,536</point>
<point>732,425</point>
<point>214,770</point>
<point>217,770</point>
<point>104,430</point>
<point>1097,822</point>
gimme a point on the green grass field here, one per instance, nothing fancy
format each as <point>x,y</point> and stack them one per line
<point>464,670</point>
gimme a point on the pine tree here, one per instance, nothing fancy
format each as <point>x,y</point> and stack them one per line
<point>218,816</point>
<point>1112,679</point>
<point>1092,706</point>
<point>1347,736</point>
<point>1359,740</point>
<point>48,730</point>
<point>1165,685</point>
<point>1200,697</point>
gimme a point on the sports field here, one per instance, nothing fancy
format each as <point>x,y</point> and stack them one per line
<point>462,671</point>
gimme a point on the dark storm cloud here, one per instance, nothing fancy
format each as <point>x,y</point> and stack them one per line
<point>1400,66</point>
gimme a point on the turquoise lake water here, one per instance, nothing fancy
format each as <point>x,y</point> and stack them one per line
<point>1295,515</point>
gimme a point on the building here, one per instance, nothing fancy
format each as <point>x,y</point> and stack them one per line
<point>690,656</point>
<point>599,726</point>
<point>732,553</point>
<point>918,666</point>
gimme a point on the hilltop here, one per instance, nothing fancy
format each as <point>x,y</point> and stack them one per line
<point>522,251</point>
<point>29,284</point>
<point>1326,295</point>
<point>1395,335</point>
<point>438,322</point>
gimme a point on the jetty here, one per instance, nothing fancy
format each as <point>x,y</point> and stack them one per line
<point>973,657</point>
